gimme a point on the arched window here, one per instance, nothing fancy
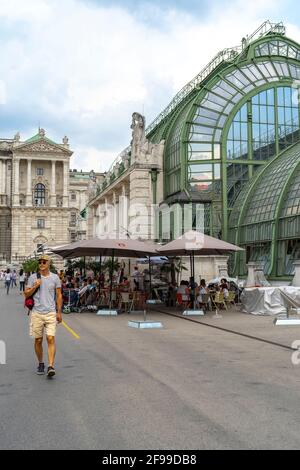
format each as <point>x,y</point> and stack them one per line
<point>39,195</point>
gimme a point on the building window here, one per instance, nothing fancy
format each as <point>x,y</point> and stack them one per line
<point>40,171</point>
<point>73,236</point>
<point>39,195</point>
<point>73,196</point>
<point>40,223</point>
<point>73,218</point>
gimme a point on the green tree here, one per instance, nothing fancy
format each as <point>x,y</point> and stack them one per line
<point>32,266</point>
<point>175,268</point>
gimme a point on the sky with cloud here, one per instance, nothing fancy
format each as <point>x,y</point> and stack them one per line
<point>81,67</point>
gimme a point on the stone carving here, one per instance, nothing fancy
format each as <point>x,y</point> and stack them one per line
<point>42,132</point>
<point>65,140</point>
<point>17,137</point>
<point>138,128</point>
<point>92,189</point>
<point>116,169</point>
<point>5,146</point>
<point>43,147</point>
<point>142,150</point>
<point>125,161</point>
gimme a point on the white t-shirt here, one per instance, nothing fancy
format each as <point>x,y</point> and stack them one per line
<point>8,276</point>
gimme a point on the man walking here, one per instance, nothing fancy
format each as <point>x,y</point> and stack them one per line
<point>47,311</point>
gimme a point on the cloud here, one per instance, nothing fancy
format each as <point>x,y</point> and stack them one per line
<point>81,68</point>
<point>91,158</point>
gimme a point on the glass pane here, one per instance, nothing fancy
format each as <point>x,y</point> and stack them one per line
<point>280,115</point>
<point>255,131</point>
<point>230,149</point>
<point>263,114</point>
<point>270,96</point>
<point>208,113</point>
<point>263,97</point>
<point>280,96</point>
<point>218,135</point>
<point>217,171</point>
<point>217,151</point>
<point>204,129</point>
<point>244,131</point>
<point>255,113</point>
<point>255,71</point>
<point>222,121</point>
<point>270,68</point>
<point>200,156</point>
<point>287,96</point>
<point>200,147</point>
<point>244,113</point>
<point>271,115</point>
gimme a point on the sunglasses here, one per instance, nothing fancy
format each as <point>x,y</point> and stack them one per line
<point>43,261</point>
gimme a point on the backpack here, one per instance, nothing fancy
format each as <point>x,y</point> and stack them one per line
<point>29,301</point>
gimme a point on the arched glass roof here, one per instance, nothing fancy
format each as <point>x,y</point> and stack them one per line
<point>277,48</point>
<point>273,195</point>
<point>217,103</point>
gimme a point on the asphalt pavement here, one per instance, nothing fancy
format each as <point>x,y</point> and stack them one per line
<point>185,386</point>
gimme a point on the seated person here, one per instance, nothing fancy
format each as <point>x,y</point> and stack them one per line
<point>201,290</point>
<point>224,287</point>
<point>183,291</point>
<point>69,284</point>
<point>84,288</point>
<point>125,284</point>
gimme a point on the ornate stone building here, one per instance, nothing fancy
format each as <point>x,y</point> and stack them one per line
<point>40,198</point>
<point>124,203</point>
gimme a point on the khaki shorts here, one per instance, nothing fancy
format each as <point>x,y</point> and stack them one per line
<point>40,323</point>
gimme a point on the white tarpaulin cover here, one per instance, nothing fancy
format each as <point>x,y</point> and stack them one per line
<point>269,300</point>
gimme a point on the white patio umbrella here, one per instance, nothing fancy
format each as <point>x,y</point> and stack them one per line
<point>193,243</point>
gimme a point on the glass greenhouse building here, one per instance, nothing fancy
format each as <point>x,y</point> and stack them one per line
<point>232,144</point>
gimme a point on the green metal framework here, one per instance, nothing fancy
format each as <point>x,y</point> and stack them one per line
<point>266,217</point>
<point>221,132</point>
<point>239,91</point>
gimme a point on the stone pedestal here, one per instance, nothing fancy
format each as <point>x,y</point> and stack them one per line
<point>223,271</point>
<point>296,279</point>
<point>256,276</point>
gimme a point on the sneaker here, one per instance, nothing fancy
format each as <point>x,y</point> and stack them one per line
<point>40,369</point>
<point>50,371</point>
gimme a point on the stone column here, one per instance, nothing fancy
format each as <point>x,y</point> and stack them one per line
<point>53,184</point>
<point>16,196</point>
<point>28,188</point>
<point>140,203</point>
<point>256,277</point>
<point>115,210</point>
<point>124,211</point>
<point>296,279</point>
<point>1,178</point>
<point>66,184</point>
